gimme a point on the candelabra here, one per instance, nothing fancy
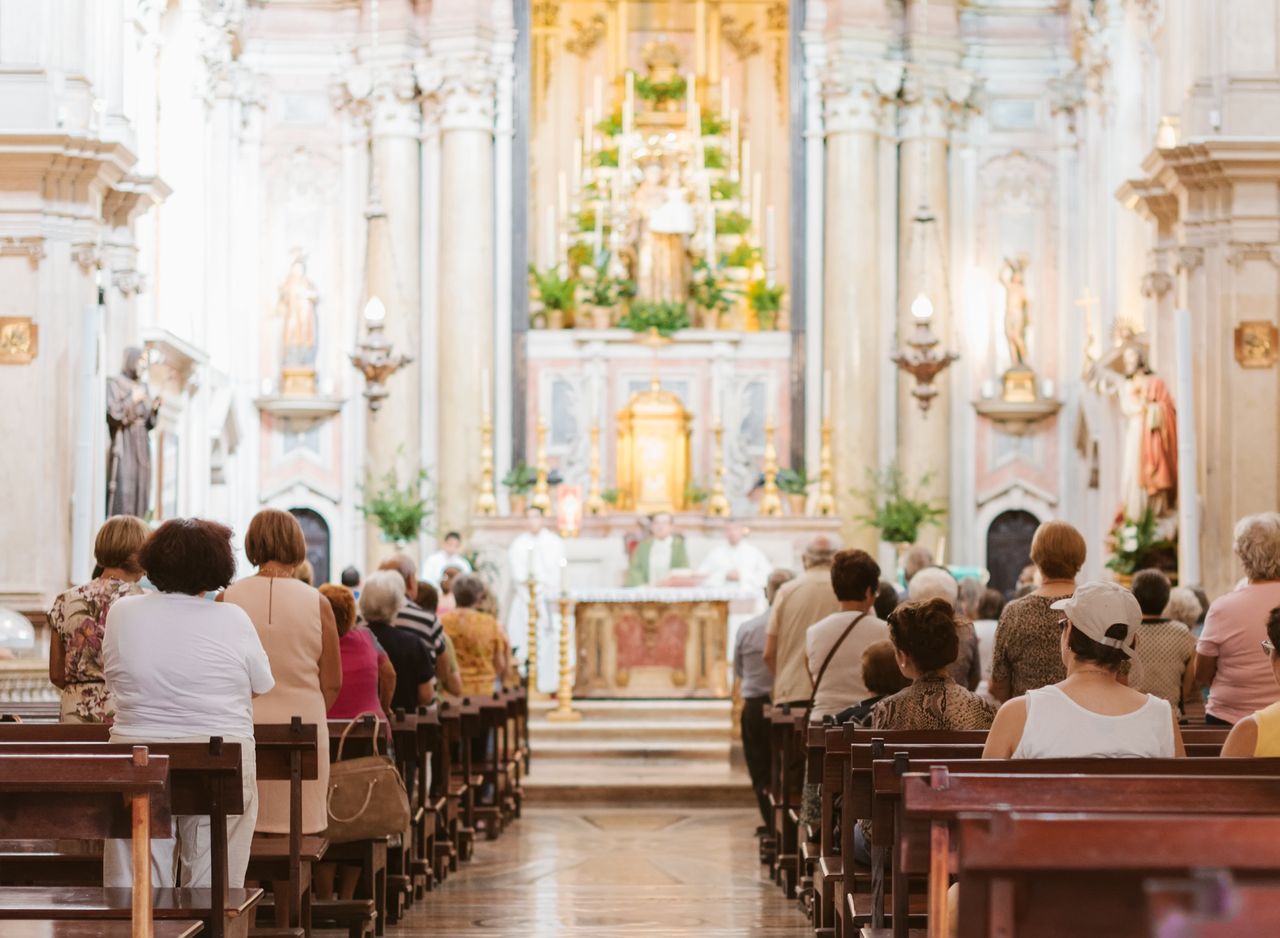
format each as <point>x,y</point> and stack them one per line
<point>770,501</point>
<point>487,503</point>
<point>541,490</point>
<point>718,502</point>
<point>595,501</point>
<point>375,359</point>
<point>564,711</point>
<point>531,651</point>
<point>826,507</point>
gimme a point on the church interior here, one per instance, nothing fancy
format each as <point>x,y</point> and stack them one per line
<point>683,360</point>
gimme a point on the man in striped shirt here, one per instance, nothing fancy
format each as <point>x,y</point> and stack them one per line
<point>412,616</point>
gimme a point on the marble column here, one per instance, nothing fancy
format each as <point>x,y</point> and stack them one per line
<point>392,275</point>
<point>924,262</point>
<point>461,81</point>
<point>856,93</point>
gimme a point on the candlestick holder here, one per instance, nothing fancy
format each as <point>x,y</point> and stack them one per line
<point>487,502</point>
<point>531,650</point>
<point>595,504</point>
<point>564,712</point>
<point>718,501</point>
<point>826,506</point>
<point>541,491</point>
<point>771,500</point>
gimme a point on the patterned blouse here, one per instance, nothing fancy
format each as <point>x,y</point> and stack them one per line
<point>1028,651</point>
<point>80,615</point>
<point>476,638</point>
<point>933,703</point>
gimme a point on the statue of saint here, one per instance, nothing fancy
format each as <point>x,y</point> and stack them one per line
<point>664,220</point>
<point>131,415</point>
<point>1149,472</point>
<point>296,306</point>
<point>1017,310</point>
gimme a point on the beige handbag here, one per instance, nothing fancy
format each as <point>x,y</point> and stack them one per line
<point>367,797</point>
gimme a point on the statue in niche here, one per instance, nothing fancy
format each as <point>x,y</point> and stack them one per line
<point>1149,473</point>
<point>664,222</point>
<point>131,416</point>
<point>296,307</point>
<point>1017,309</point>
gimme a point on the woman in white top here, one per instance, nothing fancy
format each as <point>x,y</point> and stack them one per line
<point>183,669</point>
<point>1091,713</point>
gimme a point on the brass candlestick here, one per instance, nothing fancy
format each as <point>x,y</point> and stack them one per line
<point>541,492</point>
<point>531,652</point>
<point>487,502</point>
<point>718,501</point>
<point>564,711</point>
<point>826,489</point>
<point>595,504</point>
<point>770,501</point>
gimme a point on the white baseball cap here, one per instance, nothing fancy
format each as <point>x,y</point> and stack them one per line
<point>1095,607</point>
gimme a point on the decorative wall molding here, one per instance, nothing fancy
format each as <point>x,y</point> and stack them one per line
<point>129,282</point>
<point>1156,283</point>
<point>87,255</point>
<point>1240,251</point>
<point>586,35</point>
<point>1190,258</point>
<point>740,36</point>
<point>32,246</point>
<point>461,87</point>
<point>857,95</point>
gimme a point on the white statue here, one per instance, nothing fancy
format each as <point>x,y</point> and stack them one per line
<point>665,220</point>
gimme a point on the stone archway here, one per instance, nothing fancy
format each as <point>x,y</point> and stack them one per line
<point>1009,548</point>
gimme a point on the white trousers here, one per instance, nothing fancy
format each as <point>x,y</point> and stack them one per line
<point>186,859</point>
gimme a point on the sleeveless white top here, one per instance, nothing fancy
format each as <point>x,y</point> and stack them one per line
<point>1059,728</point>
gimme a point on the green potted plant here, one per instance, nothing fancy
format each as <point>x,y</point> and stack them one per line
<point>554,297</point>
<point>401,512</point>
<point>732,223</point>
<point>713,125</point>
<point>611,497</point>
<point>604,292</point>
<point>895,509</point>
<point>794,484</point>
<point>766,302</point>
<point>663,94</point>
<point>611,126</point>
<point>725,189</point>
<point>607,158</point>
<point>519,482</point>
<point>664,319</point>
<point>739,261</point>
<point>710,294</point>
<point>714,158</point>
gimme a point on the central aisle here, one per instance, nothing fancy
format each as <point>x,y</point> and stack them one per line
<point>613,871</point>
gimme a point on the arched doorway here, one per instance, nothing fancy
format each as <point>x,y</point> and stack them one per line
<point>1009,548</point>
<point>316,530</point>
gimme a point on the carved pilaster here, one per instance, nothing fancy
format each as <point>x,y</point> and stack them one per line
<point>856,95</point>
<point>462,86</point>
<point>935,101</point>
<point>1156,283</point>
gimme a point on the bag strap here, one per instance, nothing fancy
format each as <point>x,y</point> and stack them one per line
<point>342,740</point>
<point>368,796</point>
<point>830,655</point>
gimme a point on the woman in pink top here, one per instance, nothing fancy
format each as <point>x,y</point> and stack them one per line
<point>1229,657</point>
<point>368,680</point>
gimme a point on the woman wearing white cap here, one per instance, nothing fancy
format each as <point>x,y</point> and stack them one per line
<point>1090,713</point>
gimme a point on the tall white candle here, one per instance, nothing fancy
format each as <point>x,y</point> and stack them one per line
<point>484,393</point>
<point>577,161</point>
<point>628,101</point>
<point>770,244</point>
<point>772,409</point>
<point>549,236</point>
<point>715,397</point>
<point>700,37</point>
<point>564,567</point>
<point>562,196</point>
<point>690,100</point>
<point>746,168</point>
<point>589,132</point>
<point>711,235</point>
<point>826,393</point>
<point>734,155</point>
<point>757,194</point>
<point>726,99</point>
<point>597,97</point>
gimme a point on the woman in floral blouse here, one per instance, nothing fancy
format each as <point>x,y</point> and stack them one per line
<point>477,638</point>
<point>79,616</point>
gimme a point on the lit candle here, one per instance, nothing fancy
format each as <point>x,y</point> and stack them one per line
<point>564,576</point>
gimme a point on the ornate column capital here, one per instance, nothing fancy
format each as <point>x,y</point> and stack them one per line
<point>935,100</point>
<point>1190,258</point>
<point>1156,283</point>
<point>460,82</point>
<point>856,95</point>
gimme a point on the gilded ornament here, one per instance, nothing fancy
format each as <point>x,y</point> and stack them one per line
<point>1257,343</point>
<point>18,340</point>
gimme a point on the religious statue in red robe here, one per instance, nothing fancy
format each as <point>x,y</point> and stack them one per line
<point>1149,478</point>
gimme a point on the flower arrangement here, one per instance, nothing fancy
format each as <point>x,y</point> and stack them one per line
<point>401,512</point>
<point>708,291</point>
<point>766,302</point>
<point>602,290</point>
<point>1136,544</point>
<point>665,319</point>
<point>732,223</point>
<point>894,509</point>
<point>553,292</point>
<point>521,479</point>
<point>661,91</point>
<point>714,158</point>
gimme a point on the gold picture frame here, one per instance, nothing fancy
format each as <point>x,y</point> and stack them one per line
<point>1257,343</point>
<point>19,340</point>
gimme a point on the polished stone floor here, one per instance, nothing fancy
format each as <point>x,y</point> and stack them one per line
<point>613,872</point>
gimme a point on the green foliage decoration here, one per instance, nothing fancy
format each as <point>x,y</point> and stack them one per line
<point>894,508</point>
<point>665,319</point>
<point>401,512</point>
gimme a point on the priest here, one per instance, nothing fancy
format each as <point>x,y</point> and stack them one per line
<point>736,562</point>
<point>658,554</point>
<point>537,553</point>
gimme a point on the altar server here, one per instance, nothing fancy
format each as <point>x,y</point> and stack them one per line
<point>736,562</point>
<point>449,555</point>
<point>540,552</point>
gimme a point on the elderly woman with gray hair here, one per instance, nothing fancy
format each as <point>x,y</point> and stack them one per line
<point>1230,656</point>
<point>938,583</point>
<point>410,654</point>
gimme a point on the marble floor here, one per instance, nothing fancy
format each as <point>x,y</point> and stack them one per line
<point>613,872</point>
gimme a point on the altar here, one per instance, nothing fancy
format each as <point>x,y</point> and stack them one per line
<point>654,642</point>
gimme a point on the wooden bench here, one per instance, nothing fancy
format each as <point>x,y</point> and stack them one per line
<point>942,798</point>
<point>1211,904</point>
<point>1050,875</point>
<point>55,928</point>
<point>204,779</point>
<point>90,797</point>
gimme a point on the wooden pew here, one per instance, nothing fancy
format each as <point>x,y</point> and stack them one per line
<point>204,779</point>
<point>89,797</point>
<point>1211,904</point>
<point>784,794</point>
<point>1050,875</point>
<point>1095,786</point>
<point>364,738</point>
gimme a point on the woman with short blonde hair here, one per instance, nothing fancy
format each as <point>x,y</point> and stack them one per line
<point>79,619</point>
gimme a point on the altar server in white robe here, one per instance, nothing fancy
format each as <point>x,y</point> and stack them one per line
<point>540,552</point>
<point>736,562</point>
